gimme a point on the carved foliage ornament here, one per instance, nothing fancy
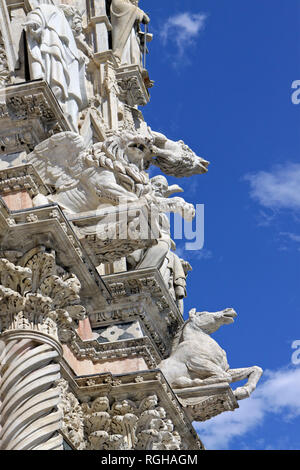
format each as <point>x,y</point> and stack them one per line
<point>128,425</point>
<point>40,296</point>
<point>4,70</point>
<point>121,425</point>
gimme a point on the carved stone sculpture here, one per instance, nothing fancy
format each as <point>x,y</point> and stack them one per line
<point>197,359</point>
<point>125,19</point>
<point>176,158</point>
<point>39,302</point>
<point>72,416</point>
<point>106,174</point>
<point>39,296</point>
<point>128,425</point>
<point>54,56</point>
<point>161,253</point>
<point>74,17</point>
<point>91,287</point>
<point>5,73</point>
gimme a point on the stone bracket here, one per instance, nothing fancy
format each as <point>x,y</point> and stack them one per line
<point>203,403</point>
<point>29,114</point>
<point>133,90</point>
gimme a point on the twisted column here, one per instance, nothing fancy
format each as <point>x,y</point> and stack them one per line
<point>38,305</point>
<point>30,418</point>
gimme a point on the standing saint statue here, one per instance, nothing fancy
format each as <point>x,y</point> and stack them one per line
<point>126,17</point>
<point>54,57</point>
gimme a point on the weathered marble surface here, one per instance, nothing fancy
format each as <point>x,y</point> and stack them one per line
<point>150,419</point>
<point>125,19</point>
<point>197,360</point>
<point>54,57</point>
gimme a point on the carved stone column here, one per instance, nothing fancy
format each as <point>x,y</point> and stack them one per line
<point>39,302</point>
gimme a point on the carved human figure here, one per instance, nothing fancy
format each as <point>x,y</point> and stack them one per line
<point>74,17</point>
<point>54,57</point>
<point>126,17</point>
<point>161,253</point>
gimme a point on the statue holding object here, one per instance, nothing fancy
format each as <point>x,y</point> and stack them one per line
<point>126,18</point>
<point>54,57</point>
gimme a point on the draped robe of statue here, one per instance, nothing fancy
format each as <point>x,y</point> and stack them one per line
<point>125,18</point>
<point>54,56</point>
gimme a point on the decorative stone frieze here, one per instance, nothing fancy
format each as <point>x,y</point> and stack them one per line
<point>110,237</point>
<point>39,296</point>
<point>97,353</point>
<point>5,73</point>
<point>141,295</point>
<point>72,426</point>
<point>15,182</point>
<point>133,90</point>
<point>50,228</point>
<point>203,403</point>
<point>128,412</point>
<point>29,113</point>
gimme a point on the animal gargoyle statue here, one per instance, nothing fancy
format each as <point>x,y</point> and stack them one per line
<point>198,360</point>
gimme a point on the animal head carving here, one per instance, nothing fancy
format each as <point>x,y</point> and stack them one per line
<point>211,322</point>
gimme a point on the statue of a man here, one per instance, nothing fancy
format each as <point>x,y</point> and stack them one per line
<point>54,57</point>
<point>173,270</point>
<point>126,18</point>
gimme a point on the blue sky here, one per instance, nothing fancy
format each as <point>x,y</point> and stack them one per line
<point>223,73</point>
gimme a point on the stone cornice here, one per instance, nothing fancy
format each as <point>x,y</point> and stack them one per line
<point>22,177</point>
<point>141,295</point>
<point>131,348</point>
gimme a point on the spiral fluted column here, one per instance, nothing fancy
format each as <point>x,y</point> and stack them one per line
<point>29,414</point>
<point>38,304</point>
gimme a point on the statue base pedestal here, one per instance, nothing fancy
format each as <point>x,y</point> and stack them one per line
<point>203,403</point>
<point>133,85</point>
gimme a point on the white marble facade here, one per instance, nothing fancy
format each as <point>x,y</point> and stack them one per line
<point>90,282</point>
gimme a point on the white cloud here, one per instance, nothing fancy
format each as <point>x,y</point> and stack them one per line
<point>182,29</point>
<point>279,394</point>
<point>278,188</point>
<point>291,236</point>
<point>203,254</point>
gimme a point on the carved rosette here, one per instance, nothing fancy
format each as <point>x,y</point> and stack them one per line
<point>39,303</point>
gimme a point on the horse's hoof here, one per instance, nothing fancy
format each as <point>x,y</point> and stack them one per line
<point>241,393</point>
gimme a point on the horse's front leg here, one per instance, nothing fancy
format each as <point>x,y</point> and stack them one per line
<point>253,374</point>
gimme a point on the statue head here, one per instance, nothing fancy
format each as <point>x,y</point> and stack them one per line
<point>160,185</point>
<point>211,322</point>
<point>74,17</point>
<point>100,404</point>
